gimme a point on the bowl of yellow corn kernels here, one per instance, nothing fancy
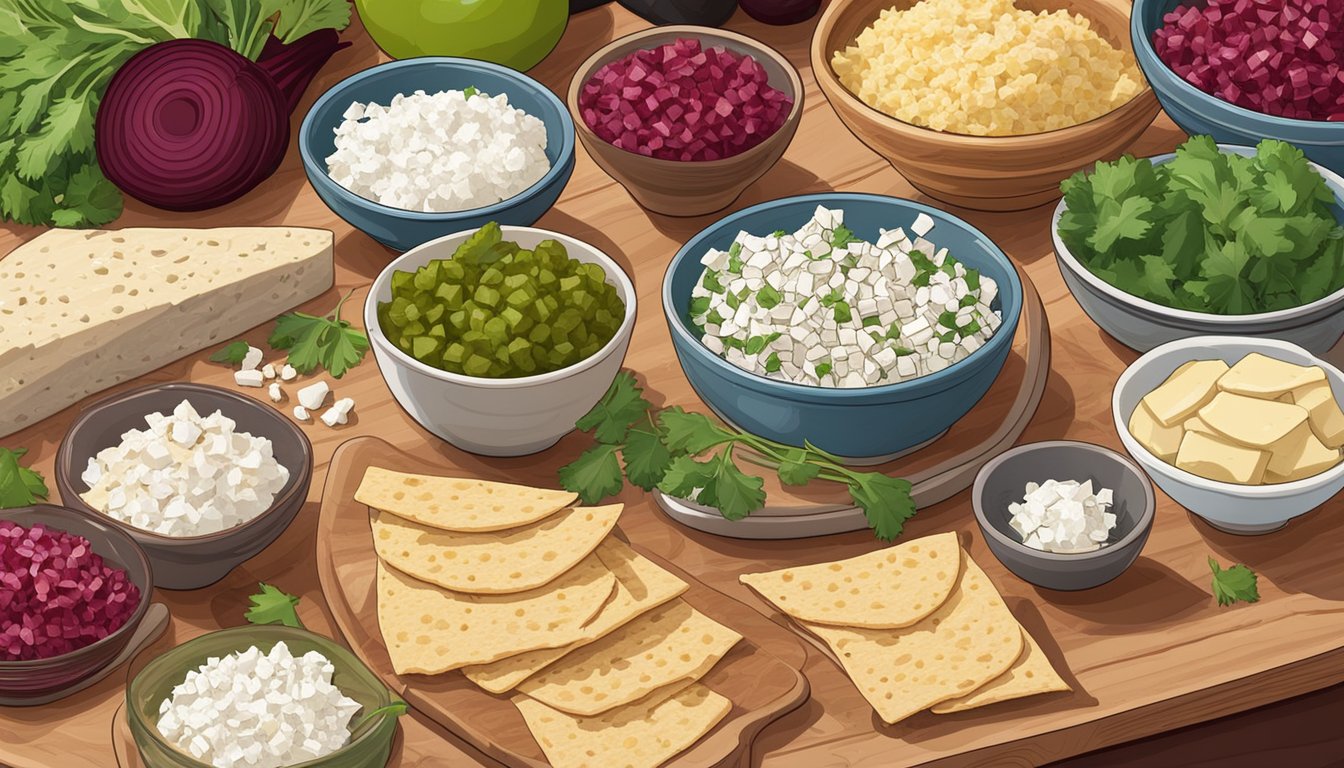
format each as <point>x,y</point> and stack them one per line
<point>985,104</point>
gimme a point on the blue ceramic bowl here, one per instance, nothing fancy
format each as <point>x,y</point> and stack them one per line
<point>872,423</point>
<point>401,229</point>
<point>1197,112</point>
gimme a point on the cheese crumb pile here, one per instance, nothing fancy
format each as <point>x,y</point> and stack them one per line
<point>441,153</point>
<point>986,68</point>
<point>259,710</point>
<point>186,475</point>
<point>1065,517</point>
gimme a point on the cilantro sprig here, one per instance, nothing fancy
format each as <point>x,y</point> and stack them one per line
<point>19,486</point>
<point>231,353</point>
<point>1235,584</point>
<point>273,606</point>
<point>327,341</point>
<point>688,455</point>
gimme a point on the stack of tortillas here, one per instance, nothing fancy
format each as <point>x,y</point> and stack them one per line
<point>522,591</point>
<point>916,626</point>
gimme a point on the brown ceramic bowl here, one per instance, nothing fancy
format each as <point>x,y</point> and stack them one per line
<point>37,679</point>
<point>677,188</point>
<point>190,562</point>
<point>987,173</point>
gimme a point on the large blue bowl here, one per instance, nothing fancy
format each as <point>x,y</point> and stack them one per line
<point>401,229</point>
<point>872,423</point>
<point>1197,112</point>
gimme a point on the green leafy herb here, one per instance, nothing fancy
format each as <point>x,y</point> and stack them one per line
<point>842,236</point>
<point>691,456</point>
<point>19,486</point>
<point>56,59</point>
<point>231,353</point>
<point>327,342</point>
<point>1234,584</point>
<point>272,606</point>
<point>470,91</point>
<point>1208,231</point>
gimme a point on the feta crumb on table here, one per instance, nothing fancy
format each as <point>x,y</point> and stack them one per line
<point>252,359</point>
<point>275,393</point>
<point>268,371</point>
<point>821,308</point>
<point>301,413</point>
<point>314,395</point>
<point>339,412</point>
<point>1063,516</point>
<point>248,378</point>
<point>288,373</point>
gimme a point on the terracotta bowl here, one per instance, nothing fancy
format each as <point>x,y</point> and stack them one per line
<point>689,188</point>
<point>987,173</point>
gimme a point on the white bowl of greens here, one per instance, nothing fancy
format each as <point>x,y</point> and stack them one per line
<point>1197,243</point>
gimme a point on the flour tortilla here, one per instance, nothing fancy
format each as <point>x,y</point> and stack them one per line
<point>458,503</point>
<point>1031,674</point>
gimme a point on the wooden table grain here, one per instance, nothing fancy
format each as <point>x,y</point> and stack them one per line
<point>1147,653</point>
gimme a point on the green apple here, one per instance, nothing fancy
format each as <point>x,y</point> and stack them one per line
<point>515,33</point>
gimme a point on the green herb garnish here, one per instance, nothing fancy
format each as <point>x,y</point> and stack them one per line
<point>231,353</point>
<point>690,456</point>
<point>1234,584</point>
<point>272,606</point>
<point>19,486</point>
<point>328,341</point>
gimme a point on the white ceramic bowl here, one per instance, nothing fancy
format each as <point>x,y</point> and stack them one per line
<point>1243,509</point>
<point>498,417</point>
<point>1141,324</point>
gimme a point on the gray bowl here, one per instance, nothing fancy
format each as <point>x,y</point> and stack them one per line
<point>1141,324</point>
<point>1002,482</point>
<point>189,562</point>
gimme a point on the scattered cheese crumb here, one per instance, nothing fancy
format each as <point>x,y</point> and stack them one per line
<point>275,393</point>
<point>248,378</point>
<point>252,359</point>
<point>288,373</point>
<point>268,371</point>
<point>301,413</point>
<point>339,412</point>
<point>314,395</point>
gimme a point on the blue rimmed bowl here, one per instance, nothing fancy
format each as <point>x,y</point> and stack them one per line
<point>401,229</point>
<point>1198,112</point>
<point>866,425</point>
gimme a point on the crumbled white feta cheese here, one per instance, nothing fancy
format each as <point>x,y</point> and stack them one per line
<point>248,378</point>
<point>186,475</point>
<point>1063,516</point>
<point>314,395</point>
<point>288,373</point>
<point>268,371</point>
<point>301,413</point>
<point>275,392</point>
<point>817,307</point>
<point>252,359</point>
<point>259,710</point>
<point>339,412</point>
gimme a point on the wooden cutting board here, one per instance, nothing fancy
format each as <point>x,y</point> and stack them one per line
<point>760,675</point>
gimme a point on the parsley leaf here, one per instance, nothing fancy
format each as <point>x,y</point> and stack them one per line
<point>646,457</point>
<point>595,475</point>
<point>328,342</point>
<point>232,353</point>
<point>272,606</point>
<point>622,406</point>
<point>19,486</point>
<point>1237,583</point>
<point>885,501</point>
<point>842,236</point>
<point>691,433</point>
<point>470,91</point>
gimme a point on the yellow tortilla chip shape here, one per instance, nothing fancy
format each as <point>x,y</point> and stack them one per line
<point>458,503</point>
<point>670,644</point>
<point>430,630</point>
<point>634,736</point>
<point>1030,674</point>
<point>641,586</point>
<point>971,639</point>
<point>493,563</point>
<point>890,588</point>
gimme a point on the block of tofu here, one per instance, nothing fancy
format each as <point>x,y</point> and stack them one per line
<point>1300,455</point>
<point>1251,421</point>
<point>1215,459</point>
<point>1162,441</point>
<point>1257,375</point>
<point>1185,391</point>
<point>1327,420</point>
<point>82,310</point>
<point>1196,424</point>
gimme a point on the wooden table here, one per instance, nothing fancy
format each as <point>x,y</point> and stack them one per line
<point>1243,662</point>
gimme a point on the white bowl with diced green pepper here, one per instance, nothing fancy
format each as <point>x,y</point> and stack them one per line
<point>499,339</point>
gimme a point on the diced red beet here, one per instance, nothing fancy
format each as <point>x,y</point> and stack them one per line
<point>1279,57</point>
<point>680,101</point>
<point>56,594</point>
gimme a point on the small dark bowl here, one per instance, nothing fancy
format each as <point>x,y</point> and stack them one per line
<point>1001,482</point>
<point>38,678</point>
<point>190,562</point>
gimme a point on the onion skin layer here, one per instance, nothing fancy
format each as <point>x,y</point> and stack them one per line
<point>188,125</point>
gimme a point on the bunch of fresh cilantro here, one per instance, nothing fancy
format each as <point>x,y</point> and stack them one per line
<point>56,58</point>
<point>688,456</point>
<point>1209,231</point>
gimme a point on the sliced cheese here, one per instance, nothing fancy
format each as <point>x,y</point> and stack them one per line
<point>1257,375</point>
<point>1216,459</point>
<point>1299,456</point>
<point>82,310</point>
<point>1250,421</point>
<point>1188,389</point>
<point>1161,441</point>
<point>1327,421</point>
